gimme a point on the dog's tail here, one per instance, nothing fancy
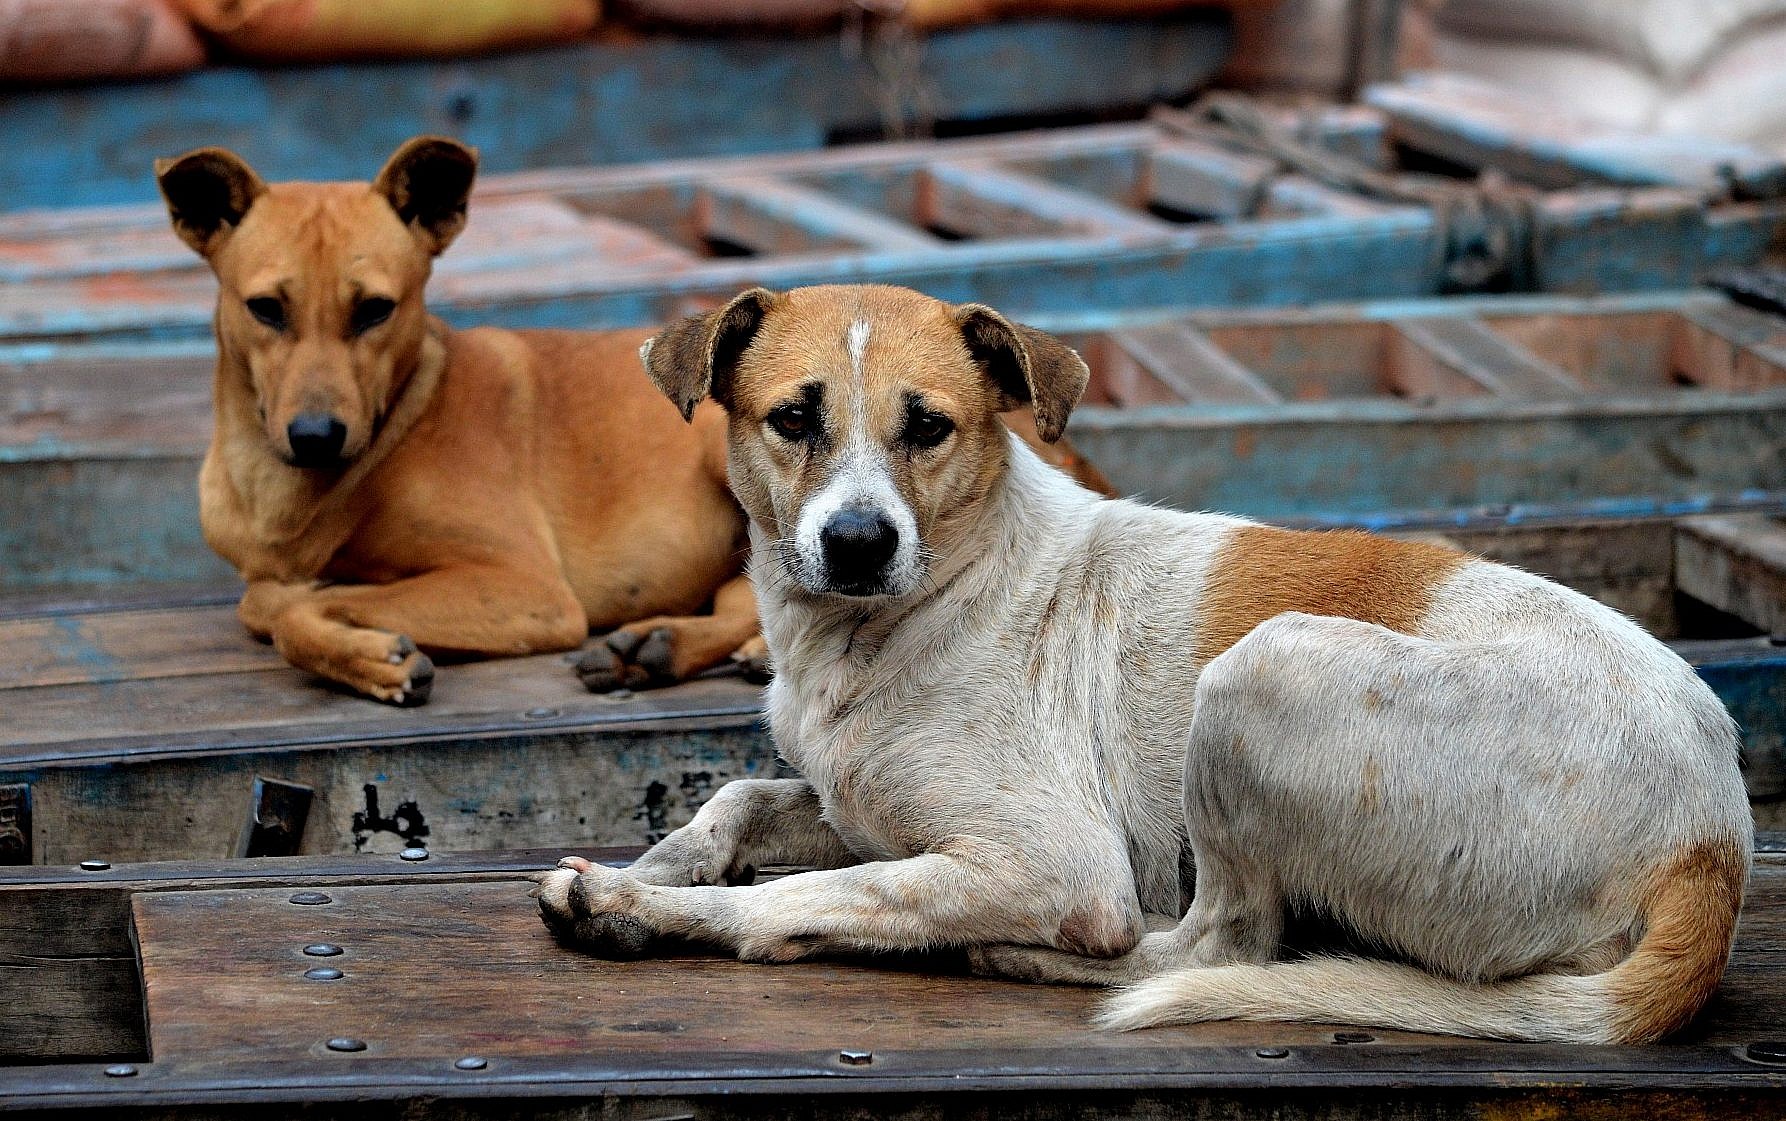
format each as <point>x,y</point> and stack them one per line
<point>1689,915</point>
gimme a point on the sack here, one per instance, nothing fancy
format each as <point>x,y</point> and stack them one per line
<point>67,40</point>
<point>315,30</point>
<point>1671,39</point>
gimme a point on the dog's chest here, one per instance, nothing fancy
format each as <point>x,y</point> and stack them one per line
<point>830,725</point>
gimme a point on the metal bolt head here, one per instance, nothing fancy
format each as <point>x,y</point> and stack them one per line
<point>120,1070</point>
<point>1770,1051</point>
<point>413,853</point>
<point>1353,1037</point>
<point>471,1062</point>
<point>345,1043</point>
<point>1777,639</point>
<point>323,973</point>
<point>322,950</point>
<point>95,866</point>
<point>1272,1053</point>
<point>853,1058</point>
<point>539,714</point>
<point>311,899</point>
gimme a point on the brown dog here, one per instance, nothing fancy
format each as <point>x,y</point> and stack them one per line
<point>390,488</point>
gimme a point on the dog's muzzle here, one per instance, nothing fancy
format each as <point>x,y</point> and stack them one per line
<point>858,545</point>
<point>316,440</point>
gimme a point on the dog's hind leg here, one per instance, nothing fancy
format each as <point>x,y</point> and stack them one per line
<point>672,648</point>
<point>746,824</point>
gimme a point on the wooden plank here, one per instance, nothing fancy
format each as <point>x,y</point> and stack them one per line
<point>978,199</point>
<point>1729,347</point>
<point>223,980</point>
<point>774,216</point>
<point>105,647</point>
<point>1204,180</point>
<point>1466,346</point>
<point>1200,372</point>
<point>1736,563</point>
<point>69,977</point>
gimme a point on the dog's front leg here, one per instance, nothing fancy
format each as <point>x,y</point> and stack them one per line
<point>370,637</point>
<point>961,894</point>
<point>746,824</point>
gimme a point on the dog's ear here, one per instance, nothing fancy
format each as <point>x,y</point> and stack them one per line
<point>697,357</point>
<point>207,192</point>
<point>428,182</point>
<point>1028,366</point>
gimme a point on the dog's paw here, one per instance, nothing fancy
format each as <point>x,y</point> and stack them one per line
<point>387,667</point>
<point>691,857</point>
<point>595,909</point>
<point>629,659</point>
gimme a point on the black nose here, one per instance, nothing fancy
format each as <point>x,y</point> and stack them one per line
<point>858,544</point>
<point>316,439</point>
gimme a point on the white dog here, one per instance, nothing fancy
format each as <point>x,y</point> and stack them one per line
<point>1027,717</point>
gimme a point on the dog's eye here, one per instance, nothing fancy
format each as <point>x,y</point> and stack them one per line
<point>926,429</point>
<point>791,422</point>
<point>369,313</point>
<point>268,310</point>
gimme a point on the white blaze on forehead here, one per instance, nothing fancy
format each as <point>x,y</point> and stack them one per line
<point>858,349</point>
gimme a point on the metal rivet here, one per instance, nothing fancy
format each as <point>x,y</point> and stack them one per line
<point>311,899</point>
<point>322,950</point>
<point>345,1043</point>
<point>1771,1052</point>
<point>471,1062</point>
<point>413,854</point>
<point>1353,1037</point>
<point>323,973</point>
<point>855,1058</point>
<point>1272,1053</point>
<point>120,1070</point>
<point>539,714</point>
<point>95,866</point>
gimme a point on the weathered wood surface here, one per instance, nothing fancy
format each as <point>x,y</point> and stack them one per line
<point>622,98</point>
<point>187,710</point>
<point>1104,217</point>
<point>1352,410</point>
<point>69,979</point>
<point>444,966</point>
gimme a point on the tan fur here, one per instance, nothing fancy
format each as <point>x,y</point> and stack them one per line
<point>1690,919</point>
<point>1264,572</point>
<point>504,491</point>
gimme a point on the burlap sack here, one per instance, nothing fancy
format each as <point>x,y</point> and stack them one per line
<point>66,40</point>
<point>330,29</point>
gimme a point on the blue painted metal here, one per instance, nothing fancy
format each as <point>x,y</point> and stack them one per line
<point>619,99</point>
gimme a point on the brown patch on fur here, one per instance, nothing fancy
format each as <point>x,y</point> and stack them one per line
<point>1264,572</point>
<point>1689,914</point>
<point>1370,786</point>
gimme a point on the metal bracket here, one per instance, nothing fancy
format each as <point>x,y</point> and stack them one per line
<point>15,823</point>
<point>277,813</point>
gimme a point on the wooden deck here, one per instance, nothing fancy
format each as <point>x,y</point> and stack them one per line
<point>452,1002</point>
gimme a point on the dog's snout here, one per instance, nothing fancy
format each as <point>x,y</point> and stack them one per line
<point>316,439</point>
<point>858,544</point>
